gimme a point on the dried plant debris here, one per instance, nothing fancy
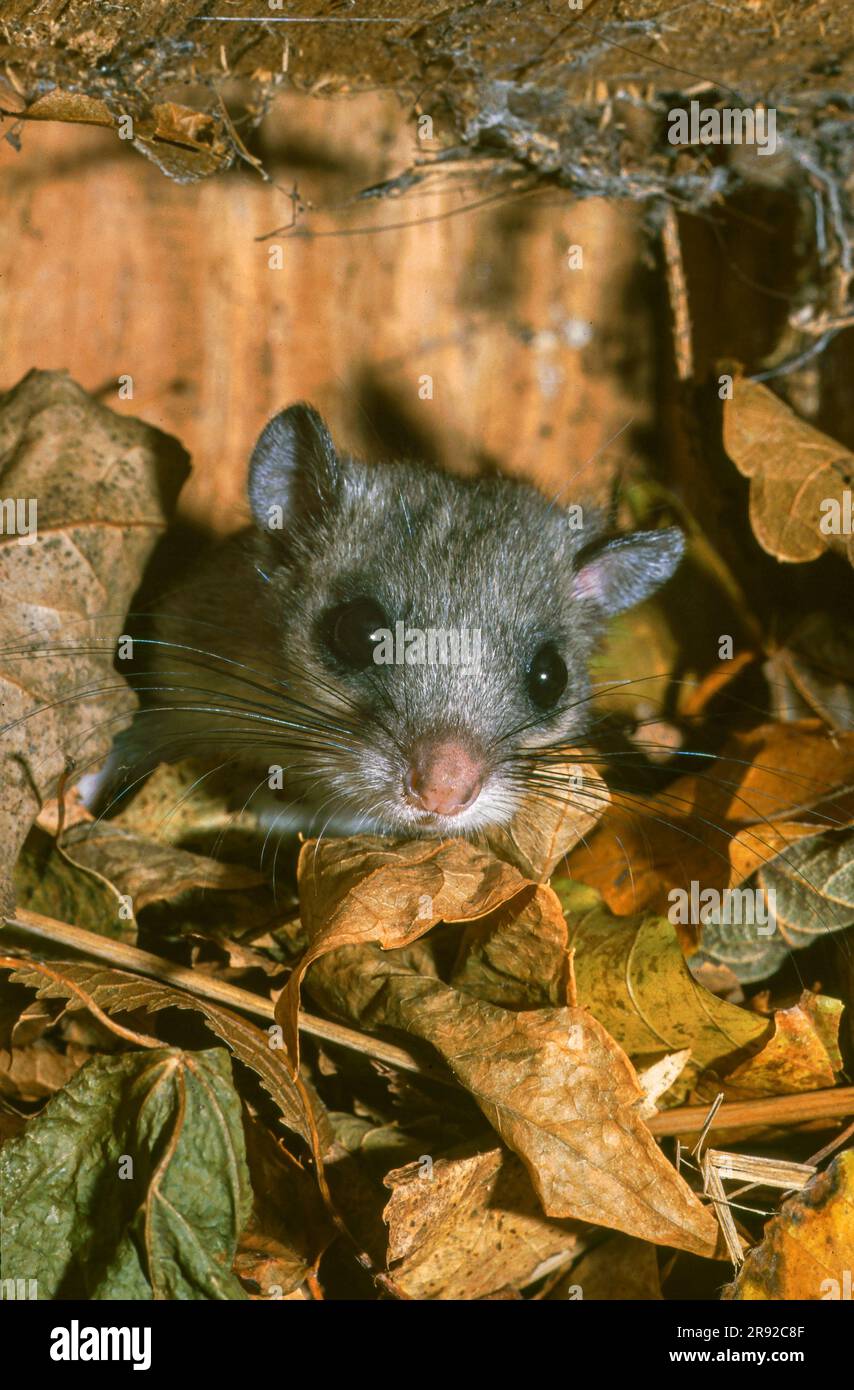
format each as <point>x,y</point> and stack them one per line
<point>184,143</point>
<point>440,1068</point>
<point>769,788</point>
<point>800,480</point>
<point>808,1250</point>
<point>812,673</point>
<point>95,490</point>
<point>466,1225</point>
<point>554,1085</point>
<point>584,101</point>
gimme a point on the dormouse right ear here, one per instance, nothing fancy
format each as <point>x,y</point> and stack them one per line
<point>293,472</point>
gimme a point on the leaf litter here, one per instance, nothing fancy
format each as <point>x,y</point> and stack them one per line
<point>548,1000</point>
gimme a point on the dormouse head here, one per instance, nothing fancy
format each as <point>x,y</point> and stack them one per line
<point>438,628</point>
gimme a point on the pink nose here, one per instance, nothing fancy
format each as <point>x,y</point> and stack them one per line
<point>444,778</point>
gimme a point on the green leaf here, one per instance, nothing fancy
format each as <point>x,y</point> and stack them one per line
<point>72,1221</point>
<point>631,974</point>
<point>813,883</point>
<point>813,895</point>
<point>118,991</point>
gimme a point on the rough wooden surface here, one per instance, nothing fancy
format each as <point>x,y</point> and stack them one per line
<point>404,257</point>
<point>107,268</point>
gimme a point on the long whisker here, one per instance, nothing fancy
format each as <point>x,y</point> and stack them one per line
<point>640,809</point>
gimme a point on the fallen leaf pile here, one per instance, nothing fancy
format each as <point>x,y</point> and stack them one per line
<point>517,1068</point>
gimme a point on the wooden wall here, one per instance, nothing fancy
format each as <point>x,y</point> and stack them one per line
<point>107,268</point>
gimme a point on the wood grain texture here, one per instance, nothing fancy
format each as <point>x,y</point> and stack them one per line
<point>107,268</point>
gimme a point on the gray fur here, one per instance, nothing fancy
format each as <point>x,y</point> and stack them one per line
<point>436,552</point>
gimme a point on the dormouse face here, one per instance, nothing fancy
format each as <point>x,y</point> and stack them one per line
<point>439,629</point>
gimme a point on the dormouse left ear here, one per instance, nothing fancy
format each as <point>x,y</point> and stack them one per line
<point>293,472</point>
<point>622,572</point>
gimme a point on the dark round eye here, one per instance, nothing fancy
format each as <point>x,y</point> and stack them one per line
<point>351,631</point>
<point>547,677</point>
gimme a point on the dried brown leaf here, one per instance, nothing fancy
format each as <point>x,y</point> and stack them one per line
<point>104,486</point>
<point>34,1072</point>
<point>519,956</point>
<point>367,889</point>
<point>794,471</point>
<point>184,143</point>
<point>770,787</point>
<point>469,1225</point>
<point>146,871</point>
<point>545,829</point>
<point>802,1053</point>
<point>553,1084</point>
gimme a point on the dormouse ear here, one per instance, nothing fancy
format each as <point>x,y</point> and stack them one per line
<point>622,572</point>
<point>293,470</point>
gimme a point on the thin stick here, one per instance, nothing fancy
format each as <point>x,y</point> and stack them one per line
<point>125,957</point>
<point>707,1124</point>
<point>689,1119</point>
<point>834,1144</point>
<point>677,289</point>
<point>713,1186</point>
<point>776,1110</point>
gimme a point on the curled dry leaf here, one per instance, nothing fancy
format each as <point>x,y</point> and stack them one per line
<point>101,876</point>
<point>795,471</point>
<point>183,143</point>
<point>818,870</point>
<point>802,1053</point>
<point>469,1227</point>
<point>811,887</point>
<point>519,955</point>
<point>808,1250</point>
<point>49,882</point>
<point>367,889</point>
<point>104,487</point>
<point>552,1083</point>
<point>146,871</point>
<point>545,829</point>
